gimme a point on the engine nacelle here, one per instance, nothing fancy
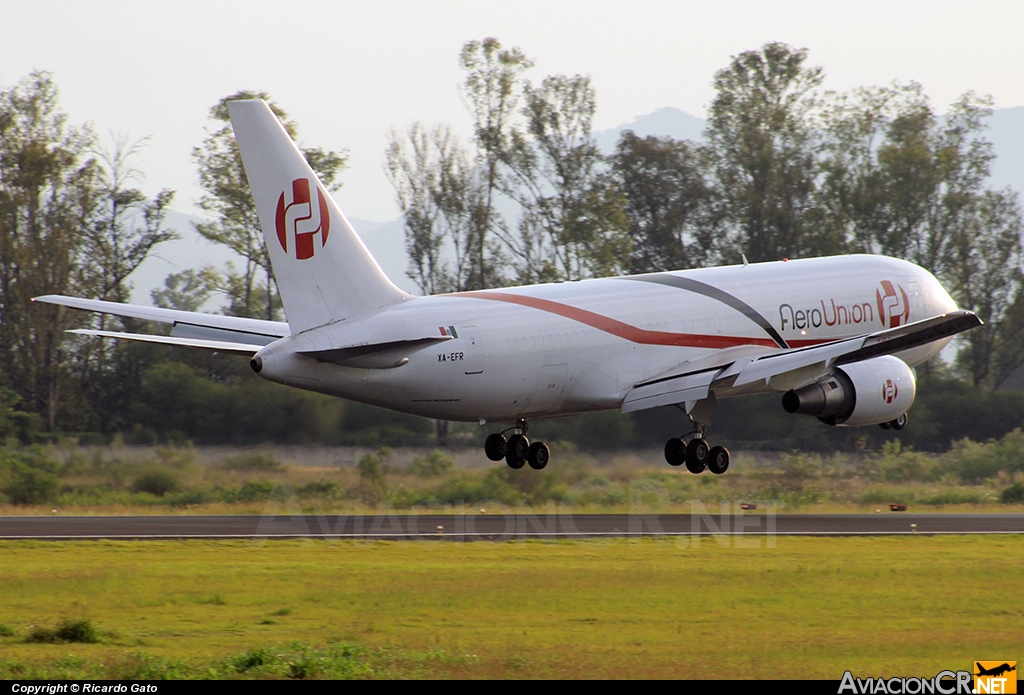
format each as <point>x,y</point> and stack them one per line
<point>863,393</point>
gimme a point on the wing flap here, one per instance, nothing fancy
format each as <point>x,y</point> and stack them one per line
<point>679,389</point>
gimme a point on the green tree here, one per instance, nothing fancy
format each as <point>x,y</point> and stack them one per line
<point>188,290</point>
<point>669,205</point>
<point>235,223</point>
<point>573,224</point>
<point>127,224</point>
<point>48,194</point>
<point>442,205</point>
<point>762,140</point>
<point>492,90</point>
<point>984,269</point>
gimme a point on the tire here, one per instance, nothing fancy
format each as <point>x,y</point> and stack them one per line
<point>495,447</point>
<point>718,460</point>
<point>538,455</point>
<point>900,422</point>
<point>697,456</point>
<point>885,425</point>
<point>517,450</point>
<point>675,452</point>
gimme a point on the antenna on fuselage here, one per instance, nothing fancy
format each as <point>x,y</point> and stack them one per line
<point>745,261</point>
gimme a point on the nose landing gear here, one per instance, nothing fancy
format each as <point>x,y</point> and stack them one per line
<point>517,449</point>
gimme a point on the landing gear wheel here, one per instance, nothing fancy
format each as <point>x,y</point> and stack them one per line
<point>900,422</point>
<point>885,425</point>
<point>495,447</point>
<point>538,455</point>
<point>517,450</point>
<point>675,451</point>
<point>696,456</point>
<point>718,460</point>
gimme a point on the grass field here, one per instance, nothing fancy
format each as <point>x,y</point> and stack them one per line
<point>806,608</point>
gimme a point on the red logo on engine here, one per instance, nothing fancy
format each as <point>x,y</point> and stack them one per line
<point>301,221</point>
<point>889,391</point>
<point>893,305</point>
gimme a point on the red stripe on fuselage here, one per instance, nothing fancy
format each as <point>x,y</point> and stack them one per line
<point>624,330</point>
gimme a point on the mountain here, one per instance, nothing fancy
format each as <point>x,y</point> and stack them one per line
<point>1006,132</point>
<point>665,122</point>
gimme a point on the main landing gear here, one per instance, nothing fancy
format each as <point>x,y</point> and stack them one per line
<point>697,455</point>
<point>517,449</point>
<point>693,449</point>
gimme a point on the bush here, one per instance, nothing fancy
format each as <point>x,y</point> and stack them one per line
<point>190,497</point>
<point>372,469</point>
<point>320,488</point>
<point>6,631</point>
<point>256,490</point>
<point>1013,494</point>
<point>156,482</point>
<point>68,631</point>
<point>252,462</point>
<point>896,464</point>
<point>31,475</point>
<point>433,464</point>
<point>954,496</point>
<point>975,462</point>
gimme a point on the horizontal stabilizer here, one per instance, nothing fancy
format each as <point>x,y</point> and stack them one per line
<point>215,345</point>
<point>377,355</point>
<point>242,330</point>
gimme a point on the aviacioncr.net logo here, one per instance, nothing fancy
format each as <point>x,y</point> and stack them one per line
<point>893,304</point>
<point>301,222</point>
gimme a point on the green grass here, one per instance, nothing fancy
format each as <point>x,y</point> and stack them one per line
<point>805,608</point>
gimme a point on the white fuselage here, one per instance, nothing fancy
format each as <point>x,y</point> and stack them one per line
<point>572,347</point>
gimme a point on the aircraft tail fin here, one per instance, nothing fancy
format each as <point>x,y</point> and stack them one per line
<point>323,269</point>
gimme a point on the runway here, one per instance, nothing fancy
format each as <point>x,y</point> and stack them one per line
<point>499,527</point>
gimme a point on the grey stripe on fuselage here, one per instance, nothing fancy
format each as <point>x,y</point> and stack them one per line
<point>718,295</point>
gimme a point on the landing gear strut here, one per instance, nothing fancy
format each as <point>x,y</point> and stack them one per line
<point>694,451</point>
<point>517,449</point>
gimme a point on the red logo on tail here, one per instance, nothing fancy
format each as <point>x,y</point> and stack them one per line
<point>893,305</point>
<point>301,220</point>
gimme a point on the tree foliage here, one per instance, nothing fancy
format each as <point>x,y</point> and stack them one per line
<point>492,90</point>
<point>668,203</point>
<point>235,223</point>
<point>762,143</point>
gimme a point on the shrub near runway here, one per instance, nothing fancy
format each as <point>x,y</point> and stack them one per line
<point>115,480</point>
<point>805,608</point>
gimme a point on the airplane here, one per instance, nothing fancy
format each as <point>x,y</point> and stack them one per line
<point>838,336</point>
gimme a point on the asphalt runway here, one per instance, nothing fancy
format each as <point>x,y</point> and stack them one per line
<point>500,527</point>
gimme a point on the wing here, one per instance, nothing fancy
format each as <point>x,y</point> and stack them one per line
<point>693,381</point>
<point>192,328</point>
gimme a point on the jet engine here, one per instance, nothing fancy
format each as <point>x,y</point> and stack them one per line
<point>872,392</point>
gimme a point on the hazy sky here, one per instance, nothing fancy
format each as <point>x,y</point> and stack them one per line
<point>349,71</point>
